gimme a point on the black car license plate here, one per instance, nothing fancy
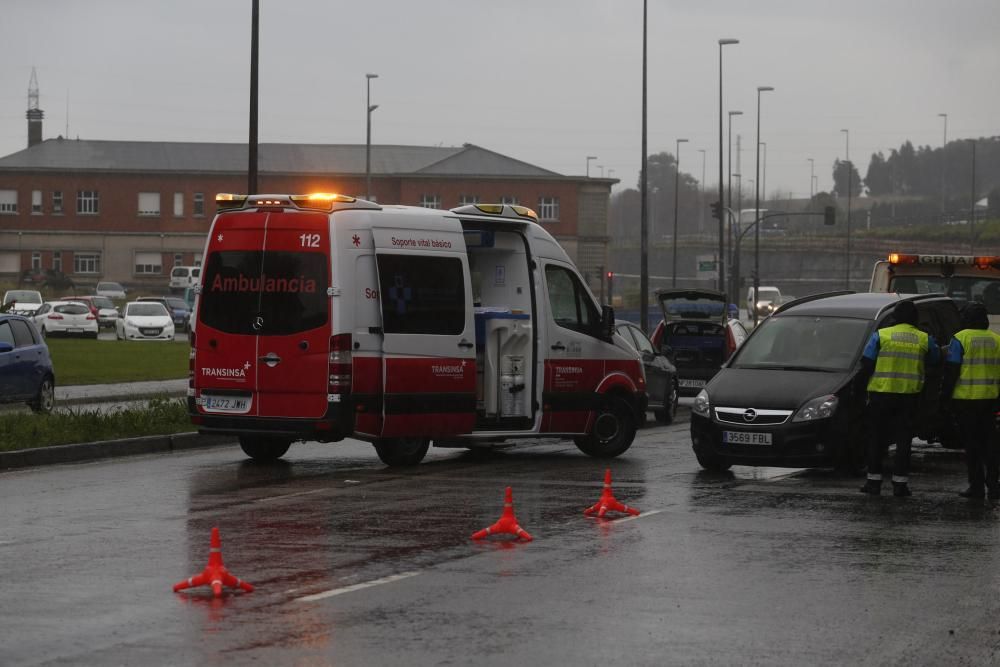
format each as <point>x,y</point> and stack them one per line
<point>746,438</point>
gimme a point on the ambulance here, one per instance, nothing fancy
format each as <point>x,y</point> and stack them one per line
<point>964,278</point>
<point>321,317</point>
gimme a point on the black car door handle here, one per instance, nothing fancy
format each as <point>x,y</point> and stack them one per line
<point>559,346</point>
<point>465,343</point>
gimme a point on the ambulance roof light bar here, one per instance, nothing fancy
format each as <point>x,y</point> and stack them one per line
<point>316,201</point>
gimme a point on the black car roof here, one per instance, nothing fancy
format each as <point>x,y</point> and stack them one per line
<point>862,305</point>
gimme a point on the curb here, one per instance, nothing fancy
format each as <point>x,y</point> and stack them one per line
<point>89,451</point>
<point>112,398</point>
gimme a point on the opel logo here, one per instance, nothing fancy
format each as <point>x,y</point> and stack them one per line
<point>749,415</point>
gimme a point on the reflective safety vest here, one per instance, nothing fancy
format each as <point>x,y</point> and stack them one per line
<point>979,378</point>
<point>899,368</point>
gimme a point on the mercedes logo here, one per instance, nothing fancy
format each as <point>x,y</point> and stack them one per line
<point>749,415</point>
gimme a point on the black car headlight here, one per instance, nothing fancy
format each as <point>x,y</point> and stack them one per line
<point>821,407</point>
<point>701,406</point>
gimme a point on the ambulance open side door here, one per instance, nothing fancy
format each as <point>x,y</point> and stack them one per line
<point>429,340</point>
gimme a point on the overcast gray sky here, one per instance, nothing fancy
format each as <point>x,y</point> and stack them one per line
<point>545,81</point>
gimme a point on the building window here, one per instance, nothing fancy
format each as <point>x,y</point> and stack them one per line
<point>197,259</point>
<point>148,263</point>
<point>464,200</point>
<point>198,204</point>
<point>57,201</point>
<point>178,204</point>
<point>149,203</point>
<point>36,260</point>
<point>88,202</point>
<point>548,209</point>
<point>8,202</point>
<point>178,259</point>
<point>57,260</point>
<point>86,262</point>
<point>430,201</point>
<point>36,202</point>
<point>509,200</point>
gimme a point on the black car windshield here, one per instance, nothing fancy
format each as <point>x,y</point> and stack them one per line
<point>792,342</point>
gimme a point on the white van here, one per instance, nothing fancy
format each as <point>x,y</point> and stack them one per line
<point>323,316</point>
<point>766,303</point>
<point>182,277</point>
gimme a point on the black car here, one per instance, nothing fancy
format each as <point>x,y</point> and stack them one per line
<point>661,375</point>
<point>792,394</point>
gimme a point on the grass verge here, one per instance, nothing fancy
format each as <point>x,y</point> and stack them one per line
<point>30,431</point>
<point>86,361</point>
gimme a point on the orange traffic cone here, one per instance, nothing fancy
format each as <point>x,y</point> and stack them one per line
<point>507,523</point>
<point>215,573</point>
<point>608,503</point>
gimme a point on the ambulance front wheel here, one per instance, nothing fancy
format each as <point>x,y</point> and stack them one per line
<point>613,431</point>
<point>261,448</point>
<point>399,452</point>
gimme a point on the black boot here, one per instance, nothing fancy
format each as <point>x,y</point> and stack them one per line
<point>901,489</point>
<point>872,487</point>
<point>972,493</point>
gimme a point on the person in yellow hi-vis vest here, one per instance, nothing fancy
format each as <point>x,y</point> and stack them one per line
<point>895,361</point>
<point>971,386</point>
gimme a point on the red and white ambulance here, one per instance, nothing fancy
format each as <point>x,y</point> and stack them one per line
<point>324,316</point>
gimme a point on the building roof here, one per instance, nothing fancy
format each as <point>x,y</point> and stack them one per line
<point>188,157</point>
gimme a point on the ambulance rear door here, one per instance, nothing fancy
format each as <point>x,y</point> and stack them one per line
<point>428,346</point>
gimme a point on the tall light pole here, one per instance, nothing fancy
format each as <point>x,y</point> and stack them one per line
<point>677,185</point>
<point>601,167</point>
<point>812,177</point>
<point>944,147</point>
<point>254,97</point>
<point>589,158</point>
<point>850,175</point>
<point>368,139</point>
<point>756,217</point>
<point>701,199</point>
<point>729,199</point>
<point>722,214</point>
<point>763,176</point>
<point>643,222</point>
<point>972,204</point>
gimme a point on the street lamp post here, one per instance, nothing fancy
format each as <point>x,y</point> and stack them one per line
<point>722,216</point>
<point>850,174</point>
<point>944,147</point>
<point>812,168</point>
<point>643,222</point>
<point>589,158</point>
<point>368,139</point>
<point>701,198</point>
<point>763,174</point>
<point>729,195</point>
<point>677,182</point>
<point>756,217</point>
<point>972,203</point>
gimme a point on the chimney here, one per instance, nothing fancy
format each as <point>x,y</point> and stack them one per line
<point>34,114</point>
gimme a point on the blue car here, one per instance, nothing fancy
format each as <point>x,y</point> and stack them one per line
<point>26,374</point>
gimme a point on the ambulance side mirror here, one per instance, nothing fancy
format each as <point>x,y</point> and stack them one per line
<point>607,322</point>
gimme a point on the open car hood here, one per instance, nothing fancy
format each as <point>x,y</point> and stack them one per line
<point>692,304</point>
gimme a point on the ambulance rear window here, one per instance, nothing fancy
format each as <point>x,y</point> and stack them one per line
<point>267,294</point>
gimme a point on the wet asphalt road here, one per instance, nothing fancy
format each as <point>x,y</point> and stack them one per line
<point>358,564</point>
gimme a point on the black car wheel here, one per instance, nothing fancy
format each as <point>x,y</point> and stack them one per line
<point>261,448</point>
<point>46,398</point>
<point>613,431</point>
<point>712,462</point>
<point>667,414</point>
<point>402,452</point>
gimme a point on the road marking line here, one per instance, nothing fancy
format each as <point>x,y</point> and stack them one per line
<point>271,499</point>
<point>357,587</point>
<point>634,518</point>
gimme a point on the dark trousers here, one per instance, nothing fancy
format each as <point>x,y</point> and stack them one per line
<point>977,425</point>
<point>890,419</point>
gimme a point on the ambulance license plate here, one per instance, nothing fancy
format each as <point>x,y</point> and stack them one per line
<point>746,438</point>
<point>231,404</point>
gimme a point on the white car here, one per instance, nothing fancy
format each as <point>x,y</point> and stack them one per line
<point>26,301</point>
<point>110,290</point>
<point>144,320</point>
<point>65,317</point>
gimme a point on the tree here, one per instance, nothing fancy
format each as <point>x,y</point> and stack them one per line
<point>840,176</point>
<point>878,180</point>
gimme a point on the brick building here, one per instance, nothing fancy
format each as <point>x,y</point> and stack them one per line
<point>129,211</point>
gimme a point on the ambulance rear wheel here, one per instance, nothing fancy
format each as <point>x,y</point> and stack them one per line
<point>264,449</point>
<point>613,432</point>
<point>400,452</point>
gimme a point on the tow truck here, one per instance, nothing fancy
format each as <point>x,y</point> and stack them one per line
<point>964,278</point>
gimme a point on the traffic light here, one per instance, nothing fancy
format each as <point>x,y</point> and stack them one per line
<point>611,278</point>
<point>717,210</point>
<point>829,215</point>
